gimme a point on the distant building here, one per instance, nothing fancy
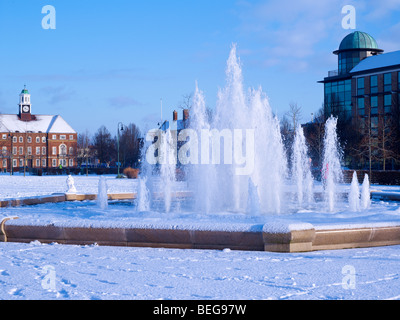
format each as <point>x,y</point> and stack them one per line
<point>35,141</point>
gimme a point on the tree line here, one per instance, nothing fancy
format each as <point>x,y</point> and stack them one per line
<point>101,148</point>
<point>367,143</point>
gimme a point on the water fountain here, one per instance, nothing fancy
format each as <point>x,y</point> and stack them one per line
<point>331,168</point>
<point>354,194</point>
<point>301,172</point>
<point>365,194</point>
<point>237,192</point>
<point>216,184</point>
<point>143,195</point>
<point>102,197</point>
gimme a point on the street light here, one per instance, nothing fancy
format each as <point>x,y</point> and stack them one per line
<point>120,128</point>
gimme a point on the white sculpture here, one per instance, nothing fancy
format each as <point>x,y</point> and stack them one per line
<point>70,184</point>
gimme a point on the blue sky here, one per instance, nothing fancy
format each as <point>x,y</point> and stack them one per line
<point>112,61</point>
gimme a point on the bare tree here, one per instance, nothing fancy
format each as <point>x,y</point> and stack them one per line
<point>314,133</point>
<point>186,102</point>
<point>130,145</point>
<point>388,140</point>
<point>84,150</point>
<point>294,115</point>
<point>104,145</point>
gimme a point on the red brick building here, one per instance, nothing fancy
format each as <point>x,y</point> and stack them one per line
<point>35,141</point>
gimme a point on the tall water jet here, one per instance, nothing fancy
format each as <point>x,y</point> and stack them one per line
<point>201,173</point>
<point>331,169</point>
<point>168,167</point>
<point>230,114</point>
<point>354,194</point>
<point>102,197</point>
<point>301,171</point>
<point>238,115</point>
<point>365,193</point>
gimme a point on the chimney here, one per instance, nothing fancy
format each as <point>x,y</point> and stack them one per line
<point>185,114</point>
<point>175,115</point>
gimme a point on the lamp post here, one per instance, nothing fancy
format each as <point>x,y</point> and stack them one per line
<point>119,128</point>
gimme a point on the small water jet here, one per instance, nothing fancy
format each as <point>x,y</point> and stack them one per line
<point>354,195</point>
<point>365,194</point>
<point>102,197</point>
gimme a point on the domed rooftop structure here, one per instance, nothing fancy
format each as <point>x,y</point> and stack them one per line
<point>358,41</point>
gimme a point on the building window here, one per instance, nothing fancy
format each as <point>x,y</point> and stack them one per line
<point>43,150</point>
<point>374,125</point>
<point>387,82</point>
<point>4,163</point>
<point>374,84</point>
<point>43,139</point>
<point>71,137</point>
<point>388,103</point>
<point>54,162</point>
<point>54,137</point>
<point>43,162</point>
<point>71,150</point>
<point>63,149</point>
<point>71,162</point>
<point>374,105</point>
<point>4,136</point>
<point>14,150</point>
<point>54,150</point>
<point>14,163</point>
<point>21,162</point>
<point>63,137</point>
<point>398,80</point>
<point>21,139</point>
<point>29,139</point>
<point>15,139</point>
<point>37,162</point>
<point>29,150</point>
<point>37,139</point>
<point>63,162</point>
<point>37,150</point>
<point>361,106</point>
<point>360,86</point>
<point>21,150</point>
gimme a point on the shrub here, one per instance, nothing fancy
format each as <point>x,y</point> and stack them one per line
<point>131,173</point>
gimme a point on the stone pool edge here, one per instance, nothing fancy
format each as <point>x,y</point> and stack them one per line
<point>297,237</point>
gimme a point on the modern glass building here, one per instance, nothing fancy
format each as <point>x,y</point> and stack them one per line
<point>365,89</point>
<point>339,86</point>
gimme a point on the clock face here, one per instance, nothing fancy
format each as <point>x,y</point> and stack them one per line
<point>25,109</point>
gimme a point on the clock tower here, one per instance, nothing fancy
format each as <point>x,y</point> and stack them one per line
<point>25,105</point>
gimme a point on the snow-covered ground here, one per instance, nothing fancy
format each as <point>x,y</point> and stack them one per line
<point>54,271</point>
<point>38,271</point>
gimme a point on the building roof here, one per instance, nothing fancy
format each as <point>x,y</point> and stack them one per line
<point>42,123</point>
<point>376,62</point>
<point>358,40</point>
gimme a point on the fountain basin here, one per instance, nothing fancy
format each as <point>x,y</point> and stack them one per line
<point>121,226</point>
<point>300,237</point>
